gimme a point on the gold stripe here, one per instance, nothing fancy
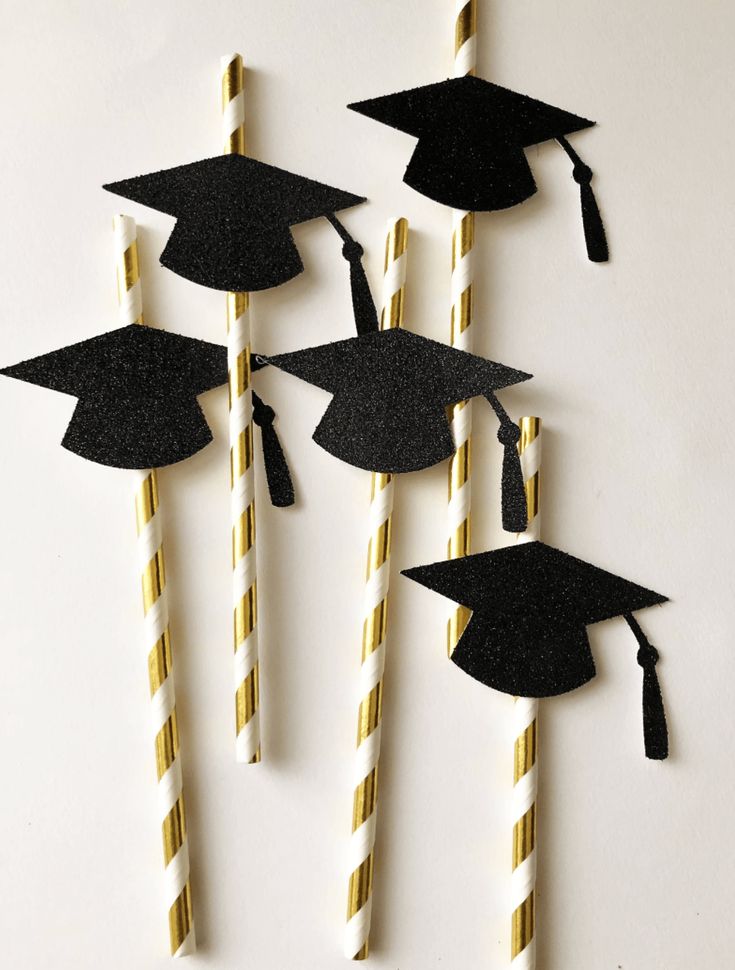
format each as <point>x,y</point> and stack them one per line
<point>243,534</point>
<point>370,713</point>
<point>167,745</point>
<point>246,615</point>
<point>466,25</point>
<point>146,501</point>
<point>524,752</point>
<point>233,82</point>
<point>241,454</point>
<point>374,628</point>
<point>246,698</point>
<point>396,243</point>
<point>522,925</point>
<point>180,918</point>
<point>530,430</point>
<point>159,662</point>
<point>365,799</point>
<point>174,830</point>
<point>463,238</point>
<point>524,836</point>
<point>127,270</point>
<point>153,579</point>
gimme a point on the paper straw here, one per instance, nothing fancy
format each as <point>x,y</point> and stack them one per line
<point>463,239</point>
<point>525,732</point>
<point>158,639</point>
<point>364,810</point>
<point>242,476</point>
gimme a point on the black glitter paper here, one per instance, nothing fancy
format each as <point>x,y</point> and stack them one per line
<point>137,389</point>
<point>233,217</point>
<point>278,476</point>
<point>471,140</point>
<point>391,389</point>
<point>530,607</point>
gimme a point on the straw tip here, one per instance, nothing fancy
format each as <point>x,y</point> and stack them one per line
<point>228,59</point>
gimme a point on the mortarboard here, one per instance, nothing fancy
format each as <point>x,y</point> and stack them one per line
<point>391,389</point>
<point>234,215</point>
<point>137,388</point>
<point>471,140</point>
<point>527,634</point>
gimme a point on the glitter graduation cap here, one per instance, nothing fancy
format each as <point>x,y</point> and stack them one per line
<point>233,224</point>
<point>391,389</point>
<point>137,388</point>
<point>527,634</point>
<point>471,140</point>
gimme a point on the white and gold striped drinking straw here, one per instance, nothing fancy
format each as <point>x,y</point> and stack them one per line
<point>242,476</point>
<point>525,750</point>
<point>364,809</point>
<point>463,239</point>
<point>158,640</point>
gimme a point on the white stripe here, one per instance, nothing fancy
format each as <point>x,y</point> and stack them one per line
<point>243,575</point>
<point>188,945</point>
<point>394,278</point>
<point>523,881</point>
<point>155,622</point>
<point>162,704</point>
<point>246,657</point>
<point>461,424</point>
<point>459,506</point>
<point>368,753</point>
<point>526,959</point>
<point>233,115</point>
<point>177,874</point>
<point>362,842</point>
<point>376,588</point>
<point>465,60</point>
<point>461,276</point>
<point>371,671</point>
<point>169,788</point>
<point>524,793</point>
<point>525,712</point>
<point>248,740</point>
<point>380,508</point>
<point>125,233</point>
<point>357,929</point>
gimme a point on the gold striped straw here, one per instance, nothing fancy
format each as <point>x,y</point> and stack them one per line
<point>463,239</point>
<point>242,477</point>
<point>158,639</point>
<point>525,731</point>
<point>364,809</point>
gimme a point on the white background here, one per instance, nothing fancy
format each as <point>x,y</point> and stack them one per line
<point>633,364</point>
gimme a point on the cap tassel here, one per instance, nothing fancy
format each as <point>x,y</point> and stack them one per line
<point>655,734</point>
<point>277,472</point>
<point>513,492</point>
<point>363,305</point>
<point>594,231</point>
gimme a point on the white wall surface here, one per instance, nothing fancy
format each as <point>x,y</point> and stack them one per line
<point>633,365</point>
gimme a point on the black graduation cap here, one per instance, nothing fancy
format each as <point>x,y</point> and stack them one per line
<point>233,223</point>
<point>137,389</point>
<point>470,154</point>
<point>527,634</point>
<point>391,389</point>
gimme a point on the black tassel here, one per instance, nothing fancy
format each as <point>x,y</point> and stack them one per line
<point>363,305</point>
<point>513,492</point>
<point>280,485</point>
<point>594,230</point>
<point>655,734</point>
